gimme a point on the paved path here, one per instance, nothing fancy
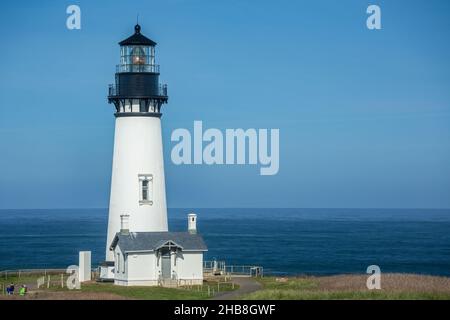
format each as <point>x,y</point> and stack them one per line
<point>246,285</point>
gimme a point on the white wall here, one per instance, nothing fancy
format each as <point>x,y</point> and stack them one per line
<point>140,270</point>
<point>142,266</point>
<point>84,270</point>
<point>122,273</point>
<point>137,150</point>
<point>190,265</point>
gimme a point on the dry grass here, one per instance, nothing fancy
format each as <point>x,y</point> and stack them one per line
<point>389,282</point>
<point>393,287</point>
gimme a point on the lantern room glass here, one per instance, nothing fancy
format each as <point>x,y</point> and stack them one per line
<point>137,58</point>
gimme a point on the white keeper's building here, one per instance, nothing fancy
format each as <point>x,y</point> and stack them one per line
<point>157,258</point>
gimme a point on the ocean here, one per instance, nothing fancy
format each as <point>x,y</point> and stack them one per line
<point>283,241</point>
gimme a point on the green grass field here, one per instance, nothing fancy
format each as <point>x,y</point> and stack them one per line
<point>158,293</point>
<point>152,293</point>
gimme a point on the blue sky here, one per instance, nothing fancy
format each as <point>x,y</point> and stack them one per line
<point>364,116</point>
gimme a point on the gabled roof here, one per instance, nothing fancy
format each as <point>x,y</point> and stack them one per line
<point>137,39</point>
<point>151,241</point>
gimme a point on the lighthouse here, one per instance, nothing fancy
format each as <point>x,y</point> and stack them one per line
<point>140,250</point>
<point>137,183</point>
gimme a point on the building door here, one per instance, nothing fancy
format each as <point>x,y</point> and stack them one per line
<point>165,266</point>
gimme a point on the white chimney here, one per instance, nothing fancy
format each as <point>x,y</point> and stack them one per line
<point>192,223</point>
<point>124,224</point>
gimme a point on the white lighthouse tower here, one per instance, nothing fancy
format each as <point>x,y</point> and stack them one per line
<point>137,183</point>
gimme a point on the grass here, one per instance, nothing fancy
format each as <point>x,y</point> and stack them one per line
<point>94,290</point>
<point>18,281</point>
<point>147,293</point>
<point>157,293</point>
<point>352,287</point>
<point>276,294</point>
<point>341,287</point>
<point>296,284</point>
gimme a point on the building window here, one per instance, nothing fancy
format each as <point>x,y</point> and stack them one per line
<point>118,262</point>
<point>125,258</point>
<point>146,189</point>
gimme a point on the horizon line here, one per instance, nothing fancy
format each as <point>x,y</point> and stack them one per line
<point>193,208</point>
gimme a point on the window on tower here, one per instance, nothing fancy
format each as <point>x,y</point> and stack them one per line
<point>145,189</point>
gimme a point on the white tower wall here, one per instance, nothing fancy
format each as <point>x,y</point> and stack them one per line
<point>138,155</point>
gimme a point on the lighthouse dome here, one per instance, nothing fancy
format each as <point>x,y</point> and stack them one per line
<point>137,39</point>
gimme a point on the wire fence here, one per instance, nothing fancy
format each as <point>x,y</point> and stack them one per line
<point>36,278</point>
<point>216,272</point>
<point>56,279</point>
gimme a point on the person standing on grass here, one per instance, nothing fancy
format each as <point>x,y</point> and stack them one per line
<point>10,289</point>
<point>22,290</point>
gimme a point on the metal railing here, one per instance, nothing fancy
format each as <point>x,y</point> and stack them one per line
<point>163,90</point>
<point>252,271</point>
<point>220,268</point>
<point>113,90</point>
<point>137,68</point>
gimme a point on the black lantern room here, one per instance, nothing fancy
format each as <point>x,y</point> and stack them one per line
<point>137,91</point>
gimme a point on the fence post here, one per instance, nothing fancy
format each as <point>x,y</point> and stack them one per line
<point>48,282</point>
<point>218,286</point>
<point>62,280</point>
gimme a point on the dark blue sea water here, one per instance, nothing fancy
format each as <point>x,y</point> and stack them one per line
<point>290,241</point>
